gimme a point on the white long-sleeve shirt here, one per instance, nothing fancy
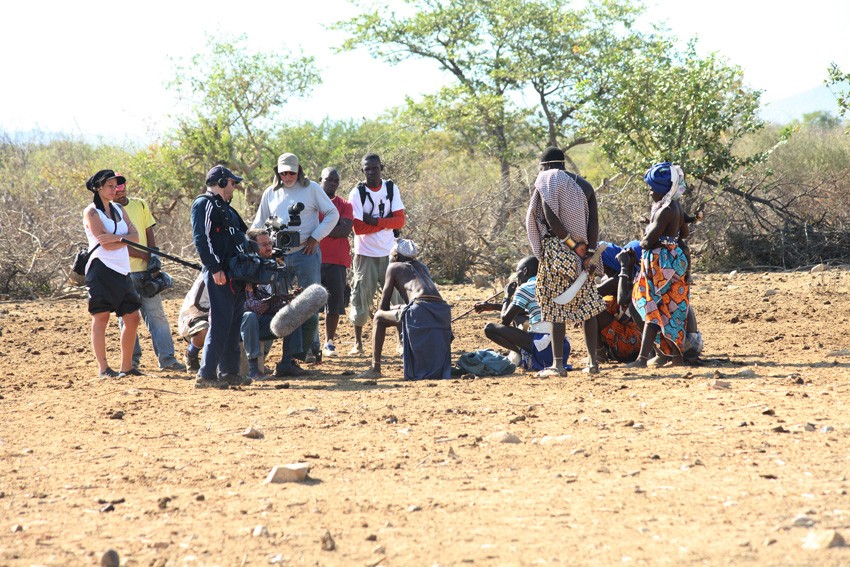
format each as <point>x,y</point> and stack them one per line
<point>277,202</point>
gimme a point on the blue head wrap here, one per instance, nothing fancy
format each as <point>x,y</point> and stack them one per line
<point>609,255</point>
<point>635,245</point>
<point>658,177</point>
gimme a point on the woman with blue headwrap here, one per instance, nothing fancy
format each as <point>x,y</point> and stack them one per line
<point>661,292</point>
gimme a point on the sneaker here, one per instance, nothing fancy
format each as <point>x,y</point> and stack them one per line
<point>234,379</point>
<point>201,383</point>
<point>192,362</point>
<point>177,366</point>
<point>329,350</point>
<point>257,375</point>
<point>292,370</point>
<point>109,373</point>
<point>133,372</point>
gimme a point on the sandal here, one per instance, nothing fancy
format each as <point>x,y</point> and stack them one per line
<point>549,372</point>
<point>109,373</point>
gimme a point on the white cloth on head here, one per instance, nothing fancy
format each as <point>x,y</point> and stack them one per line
<point>677,184</point>
<point>406,248</point>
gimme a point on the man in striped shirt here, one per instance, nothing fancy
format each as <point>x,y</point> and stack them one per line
<point>535,345</point>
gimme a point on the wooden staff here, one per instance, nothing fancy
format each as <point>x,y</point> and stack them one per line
<point>465,313</point>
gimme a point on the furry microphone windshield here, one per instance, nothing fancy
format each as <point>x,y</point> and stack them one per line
<point>293,314</point>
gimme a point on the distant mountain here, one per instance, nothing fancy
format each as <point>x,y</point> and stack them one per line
<point>794,107</point>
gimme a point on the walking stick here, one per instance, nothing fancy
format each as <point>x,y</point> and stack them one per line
<point>465,313</point>
<point>163,254</point>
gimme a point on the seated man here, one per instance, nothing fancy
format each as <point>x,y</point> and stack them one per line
<point>425,321</point>
<point>534,346</point>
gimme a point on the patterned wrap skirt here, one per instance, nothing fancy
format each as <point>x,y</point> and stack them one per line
<point>661,294</point>
<point>623,339</point>
<point>559,268</point>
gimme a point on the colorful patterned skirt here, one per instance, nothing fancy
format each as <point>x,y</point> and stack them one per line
<point>559,268</point>
<point>661,294</point>
<point>623,339</point>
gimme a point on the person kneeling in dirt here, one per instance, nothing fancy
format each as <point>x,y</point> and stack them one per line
<point>425,321</point>
<point>535,345</point>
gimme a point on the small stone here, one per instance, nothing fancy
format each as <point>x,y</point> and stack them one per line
<point>824,429</point>
<point>200,498</point>
<point>503,437</point>
<point>637,426</point>
<point>117,415</point>
<point>284,386</point>
<point>823,539</point>
<point>842,352</point>
<point>288,473</point>
<point>555,440</point>
<point>414,508</point>
<point>802,521</point>
<point>780,429</point>
<point>277,559</point>
<point>379,550</point>
<point>715,384</point>
<point>252,433</point>
<point>371,537</point>
<point>108,508</point>
<point>391,419</point>
<point>260,531</point>
<point>747,373</point>
<point>110,558</point>
<point>768,411</point>
<point>809,427</point>
<point>368,383</point>
<point>328,543</point>
<point>17,528</point>
<point>769,541</point>
<point>770,291</point>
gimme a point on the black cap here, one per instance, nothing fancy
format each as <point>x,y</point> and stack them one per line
<point>97,180</point>
<point>220,172</point>
<point>552,155</point>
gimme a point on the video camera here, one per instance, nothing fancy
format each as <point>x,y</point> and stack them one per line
<point>284,240</point>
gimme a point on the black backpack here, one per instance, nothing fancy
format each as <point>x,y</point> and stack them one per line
<point>364,194</point>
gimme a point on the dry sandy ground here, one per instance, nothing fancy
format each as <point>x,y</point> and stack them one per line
<point>630,467</point>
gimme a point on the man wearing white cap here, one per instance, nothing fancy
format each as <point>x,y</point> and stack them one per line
<point>425,322</point>
<point>303,262</point>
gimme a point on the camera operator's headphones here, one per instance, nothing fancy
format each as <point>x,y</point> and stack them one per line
<point>223,182</point>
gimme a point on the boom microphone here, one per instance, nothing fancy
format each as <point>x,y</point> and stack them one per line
<point>293,314</point>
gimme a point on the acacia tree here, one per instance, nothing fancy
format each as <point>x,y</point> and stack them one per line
<point>839,83</point>
<point>496,52</point>
<point>235,97</point>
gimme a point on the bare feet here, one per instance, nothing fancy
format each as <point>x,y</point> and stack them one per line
<point>591,369</point>
<point>656,361</point>
<point>371,373</point>
<point>356,350</point>
<point>639,363</point>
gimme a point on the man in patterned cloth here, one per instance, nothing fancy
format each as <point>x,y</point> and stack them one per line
<point>557,223</point>
<point>661,291</point>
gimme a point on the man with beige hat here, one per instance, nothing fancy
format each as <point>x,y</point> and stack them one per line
<point>303,262</point>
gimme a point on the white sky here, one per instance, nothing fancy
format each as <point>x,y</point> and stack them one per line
<point>57,57</point>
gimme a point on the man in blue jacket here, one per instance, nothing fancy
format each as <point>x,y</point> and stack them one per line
<point>217,230</point>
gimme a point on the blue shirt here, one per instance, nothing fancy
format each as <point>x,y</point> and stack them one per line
<point>525,297</point>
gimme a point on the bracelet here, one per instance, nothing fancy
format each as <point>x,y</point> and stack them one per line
<point>571,244</point>
<point>590,252</point>
<point>622,275</point>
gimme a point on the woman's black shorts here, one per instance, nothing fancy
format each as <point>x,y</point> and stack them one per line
<point>110,291</point>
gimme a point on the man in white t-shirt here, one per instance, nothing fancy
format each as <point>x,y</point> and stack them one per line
<point>378,211</point>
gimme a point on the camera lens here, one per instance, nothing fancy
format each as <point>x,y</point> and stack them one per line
<point>296,208</point>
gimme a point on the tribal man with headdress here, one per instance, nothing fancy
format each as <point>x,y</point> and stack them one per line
<point>661,291</point>
<point>557,223</point>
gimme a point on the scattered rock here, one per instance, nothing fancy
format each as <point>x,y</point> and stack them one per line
<point>284,386</point>
<point>637,426</point>
<point>715,384</point>
<point>368,382</point>
<point>371,537</point>
<point>328,543</point>
<point>770,291</point>
<point>746,373</point>
<point>768,411</point>
<point>110,558</point>
<point>17,528</point>
<point>200,498</point>
<point>260,531</point>
<point>780,429</point>
<point>414,508</point>
<point>823,539</point>
<point>117,415</point>
<point>802,521</point>
<point>842,352</point>
<point>827,429</point>
<point>288,473</point>
<point>391,419</point>
<point>108,508</point>
<point>503,437</point>
<point>379,550</point>
<point>162,503</point>
<point>252,433</point>
<point>555,440</point>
